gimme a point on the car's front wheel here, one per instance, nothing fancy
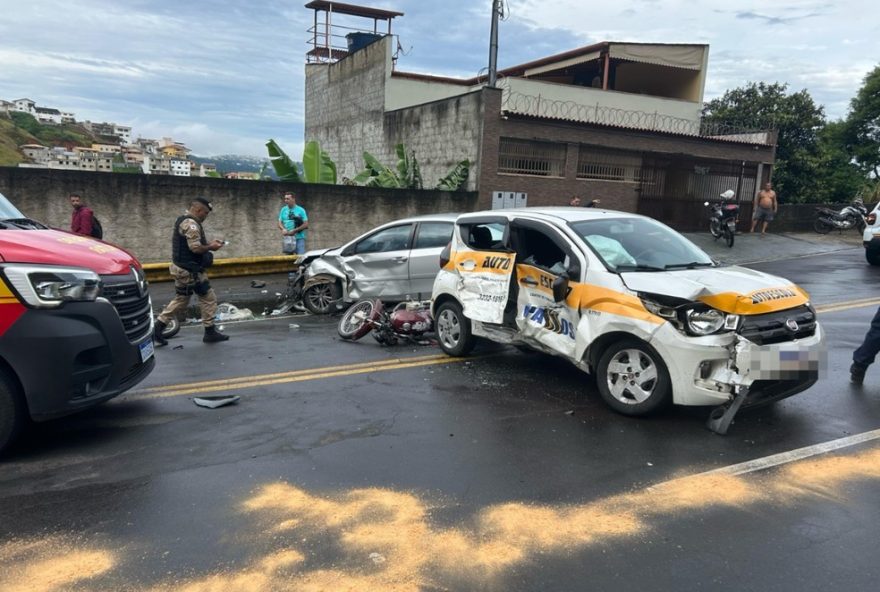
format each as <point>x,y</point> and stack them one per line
<point>632,378</point>
<point>454,330</point>
<point>320,298</point>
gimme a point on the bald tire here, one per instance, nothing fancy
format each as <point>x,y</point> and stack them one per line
<point>635,357</point>
<point>12,412</point>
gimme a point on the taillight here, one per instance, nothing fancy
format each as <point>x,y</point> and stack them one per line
<point>872,217</point>
<point>444,255</point>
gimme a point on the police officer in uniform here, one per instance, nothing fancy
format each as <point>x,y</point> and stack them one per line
<point>191,254</point>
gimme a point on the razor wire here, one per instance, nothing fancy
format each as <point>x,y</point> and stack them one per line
<point>514,102</point>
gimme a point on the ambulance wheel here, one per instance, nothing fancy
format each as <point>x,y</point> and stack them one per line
<point>632,378</point>
<point>454,330</point>
<point>12,412</point>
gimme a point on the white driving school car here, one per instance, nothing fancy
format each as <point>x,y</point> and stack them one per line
<point>631,301</point>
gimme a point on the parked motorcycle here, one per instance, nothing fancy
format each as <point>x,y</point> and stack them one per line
<point>852,216</point>
<point>723,217</point>
<point>407,321</point>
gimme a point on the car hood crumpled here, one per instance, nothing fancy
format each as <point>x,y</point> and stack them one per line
<point>735,290</point>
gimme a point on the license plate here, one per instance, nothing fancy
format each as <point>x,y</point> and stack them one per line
<point>146,350</point>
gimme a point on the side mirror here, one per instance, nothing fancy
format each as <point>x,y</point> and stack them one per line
<point>560,288</point>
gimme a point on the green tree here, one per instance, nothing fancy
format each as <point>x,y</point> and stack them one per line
<point>839,178</point>
<point>862,125</point>
<point>798,121</point>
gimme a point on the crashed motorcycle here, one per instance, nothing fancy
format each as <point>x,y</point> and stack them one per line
<point>316,294</point>
<point>408,321</point>
<point>723,217</point>
<point>852,216</point>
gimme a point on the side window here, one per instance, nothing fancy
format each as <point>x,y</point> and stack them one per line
<point>536,248</point>
<point>395,238</point>
<point>433,234</point>
<point>484,237</point>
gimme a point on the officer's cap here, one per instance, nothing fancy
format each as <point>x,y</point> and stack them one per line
<point>205,203</point>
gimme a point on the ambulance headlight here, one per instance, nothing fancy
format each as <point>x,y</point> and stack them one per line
<point>48,286</point>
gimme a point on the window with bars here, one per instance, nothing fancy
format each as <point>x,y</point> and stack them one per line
<point>609,165</point>
<point>531,157</point>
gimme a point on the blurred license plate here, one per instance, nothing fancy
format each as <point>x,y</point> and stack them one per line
<point>146,350</point>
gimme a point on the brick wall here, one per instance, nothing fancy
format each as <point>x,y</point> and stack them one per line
<point>137,211</point>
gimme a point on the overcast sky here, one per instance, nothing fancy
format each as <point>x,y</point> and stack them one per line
<point>223,76</point>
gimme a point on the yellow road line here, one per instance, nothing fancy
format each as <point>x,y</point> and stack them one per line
<point>289,377</point>
<point>838,306</point>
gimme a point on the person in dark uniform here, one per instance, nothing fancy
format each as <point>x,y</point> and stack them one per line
<point>191,254</point>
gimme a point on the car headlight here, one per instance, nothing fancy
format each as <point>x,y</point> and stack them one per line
<point>691,318</point>
<point>44,286</point>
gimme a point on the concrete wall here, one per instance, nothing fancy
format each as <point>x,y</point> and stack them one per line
<point>137,211</point>
<point>347,111</point>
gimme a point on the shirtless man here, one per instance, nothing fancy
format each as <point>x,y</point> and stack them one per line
<point>765,207</point>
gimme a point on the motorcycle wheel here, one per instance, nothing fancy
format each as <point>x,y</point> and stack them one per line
<point>355,323</point>
<point>319,299</point>
<point>821,226</point>
<point>715,228</point>
<point>171,328</point>
<point>729,236</point>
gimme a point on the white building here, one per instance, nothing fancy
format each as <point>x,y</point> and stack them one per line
<point>25,106</point>
<point>180,167</point>
<point>123,132</point>
<point>37,153</point>
<point>48,116</point>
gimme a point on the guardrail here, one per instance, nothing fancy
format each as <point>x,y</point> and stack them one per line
<point>244,266</point>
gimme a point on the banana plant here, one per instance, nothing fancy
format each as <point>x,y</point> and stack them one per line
<point>316,167</point>
<point>407,176</point>
<point>456,177</point>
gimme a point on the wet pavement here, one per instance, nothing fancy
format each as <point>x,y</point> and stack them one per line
<point>351,466</point>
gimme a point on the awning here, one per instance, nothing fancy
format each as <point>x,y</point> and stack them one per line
<point>587,57</point>
<point>674,56</point>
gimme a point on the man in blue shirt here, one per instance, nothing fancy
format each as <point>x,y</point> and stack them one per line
<point>293,221</point>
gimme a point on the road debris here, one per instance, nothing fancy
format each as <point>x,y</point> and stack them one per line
<point>214,402</point>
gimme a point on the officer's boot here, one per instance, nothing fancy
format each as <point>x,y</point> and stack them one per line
<point>212,335</point>
<point>157,333</point>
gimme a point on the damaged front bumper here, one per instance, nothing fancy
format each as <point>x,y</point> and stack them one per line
<point>732,372</point>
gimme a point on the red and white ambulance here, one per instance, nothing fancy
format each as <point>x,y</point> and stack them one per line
<point>75,322</point>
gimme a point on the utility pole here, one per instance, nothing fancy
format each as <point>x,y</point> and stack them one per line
<point>493,43</point>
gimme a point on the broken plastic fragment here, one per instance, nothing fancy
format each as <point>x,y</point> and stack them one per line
<point>214,402</point>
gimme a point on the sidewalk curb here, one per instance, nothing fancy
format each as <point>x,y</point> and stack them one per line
<point>244,266</point>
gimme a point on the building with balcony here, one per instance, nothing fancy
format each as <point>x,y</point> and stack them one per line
<point>25,106</point>
<point>620,122</point>
<point>48,116</point>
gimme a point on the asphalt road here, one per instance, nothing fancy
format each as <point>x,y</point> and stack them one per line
<point>356,467</point>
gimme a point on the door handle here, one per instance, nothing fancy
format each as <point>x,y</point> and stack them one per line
<point>529,281</point>
<point>399,259</point>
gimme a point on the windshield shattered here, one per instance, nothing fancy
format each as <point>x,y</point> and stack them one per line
<point>640,244</point>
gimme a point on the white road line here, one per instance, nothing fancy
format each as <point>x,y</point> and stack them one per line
<point>760,464</point>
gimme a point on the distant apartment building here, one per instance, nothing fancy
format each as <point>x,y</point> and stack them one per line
<point>48,116</point>
<point>99,129</point>
<point>123,132</point>
<point>6,106</point>
<point>35,153</point>
<point>180,167</point>
<point>205,170</point>
<point>133,155</point>
<point>68,117</point>
<point>244,175</point>
<point>156,165</point>
<point>147,146</point>
<point>88,158</point>
<point>171,149</point>
<point>64,160</point>
<point>106,148</point>
<point>25,106</point>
